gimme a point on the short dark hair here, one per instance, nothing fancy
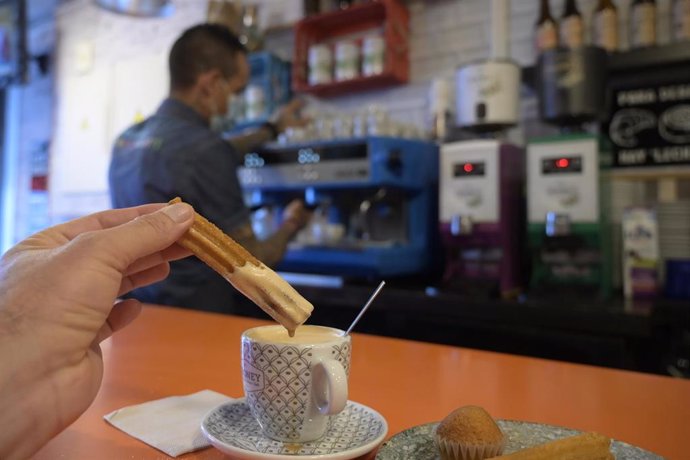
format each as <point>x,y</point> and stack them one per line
<point>202,48</point>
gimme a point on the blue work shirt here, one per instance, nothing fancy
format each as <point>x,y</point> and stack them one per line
<point>175,153</point>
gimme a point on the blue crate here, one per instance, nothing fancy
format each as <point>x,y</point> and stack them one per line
<point>272,75</point>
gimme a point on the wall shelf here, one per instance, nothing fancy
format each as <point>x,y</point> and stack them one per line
<point>649,173</point>
<point>661,55</point>
<point>389,16</point>
<point>672,54</point>
<point>337,88</point>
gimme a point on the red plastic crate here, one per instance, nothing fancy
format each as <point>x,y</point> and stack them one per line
<point>391,15</point>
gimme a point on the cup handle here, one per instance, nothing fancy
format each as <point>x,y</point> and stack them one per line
<point>329,386</point>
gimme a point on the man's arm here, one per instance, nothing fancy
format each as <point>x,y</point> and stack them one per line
<point>271,250</point>
<point>246,141</point>
<point>285,117</point>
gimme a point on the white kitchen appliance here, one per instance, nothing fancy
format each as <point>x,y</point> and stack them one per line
<point>488,91</point>
<point>482,216</point>
<point>568,228</point>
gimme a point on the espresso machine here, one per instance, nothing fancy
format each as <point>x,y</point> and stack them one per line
<point>374,200</point>
<point>568,229</point>
<point>482,217</point>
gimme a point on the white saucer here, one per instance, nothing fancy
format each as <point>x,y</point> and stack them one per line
<point>354,432</point>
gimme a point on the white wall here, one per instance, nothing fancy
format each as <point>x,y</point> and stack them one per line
<point>111,72</point>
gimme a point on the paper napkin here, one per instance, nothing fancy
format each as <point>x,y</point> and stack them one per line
<point>172,425</point>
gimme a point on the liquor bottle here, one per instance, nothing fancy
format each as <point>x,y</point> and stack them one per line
<point>571,27</point>
<point>681,20</point>
<point>440,109</point>
<point>250,35</point>
<point>643,23</point>
<point>605,26</point>
<point>546,29</point>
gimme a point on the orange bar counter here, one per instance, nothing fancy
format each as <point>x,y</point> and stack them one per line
<point>169,351</point>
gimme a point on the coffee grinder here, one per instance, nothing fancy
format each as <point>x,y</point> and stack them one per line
<point>482,217</point>
<point>568,230</point>
<point>481,181</point>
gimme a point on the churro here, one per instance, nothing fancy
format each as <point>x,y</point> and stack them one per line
<point>586,446</point>
<point>246,273</point>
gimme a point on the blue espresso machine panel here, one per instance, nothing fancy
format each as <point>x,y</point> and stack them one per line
<point>375,202</point>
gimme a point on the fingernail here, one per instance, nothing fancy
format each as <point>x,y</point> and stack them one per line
<point>178,212</point>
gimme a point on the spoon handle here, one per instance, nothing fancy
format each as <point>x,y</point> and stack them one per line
<point>366,306</point>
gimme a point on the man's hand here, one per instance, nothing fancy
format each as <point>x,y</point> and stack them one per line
<point>57,294</point>
<point>296,216</point>
<point>289,116</point>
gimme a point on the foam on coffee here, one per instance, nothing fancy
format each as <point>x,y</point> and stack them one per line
<point>304,334</point>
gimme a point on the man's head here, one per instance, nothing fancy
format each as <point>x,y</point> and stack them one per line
<point>207,64</point>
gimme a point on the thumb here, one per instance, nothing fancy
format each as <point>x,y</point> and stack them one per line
<point>146,234</point>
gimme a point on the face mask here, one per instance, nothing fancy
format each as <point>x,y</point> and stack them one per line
<point>222,122</point>
<point>235,107</point>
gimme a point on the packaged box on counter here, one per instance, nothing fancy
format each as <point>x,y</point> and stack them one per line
<point>640,253</point>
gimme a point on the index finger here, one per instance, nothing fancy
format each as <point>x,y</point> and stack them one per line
<point>104,219</point>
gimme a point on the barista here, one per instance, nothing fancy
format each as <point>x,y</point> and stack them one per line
<point>175,152</point>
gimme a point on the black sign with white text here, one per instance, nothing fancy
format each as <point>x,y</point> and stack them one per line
<point>651,125</point>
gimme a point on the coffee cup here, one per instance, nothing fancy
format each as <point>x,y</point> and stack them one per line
<point>293,385</point>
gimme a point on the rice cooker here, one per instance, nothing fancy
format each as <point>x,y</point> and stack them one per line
<point>488,91</point>
<point>488,95</point>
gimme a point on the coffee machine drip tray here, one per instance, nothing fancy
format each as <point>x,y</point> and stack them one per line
<point>343,245</point>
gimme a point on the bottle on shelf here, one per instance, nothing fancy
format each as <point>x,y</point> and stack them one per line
<point>643,23</point>
<point>225,12</point>
<point>546,29</point>
<point>681,20</point>
<point>605,26</point>
<point>440,109</point>
<point>250,35</point>
<point>571,27</point>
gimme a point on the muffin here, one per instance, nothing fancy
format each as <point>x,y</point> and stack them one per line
<point>469,433</point>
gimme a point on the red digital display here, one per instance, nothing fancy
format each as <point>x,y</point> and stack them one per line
<point>468,169</point>
<point>561,165</point>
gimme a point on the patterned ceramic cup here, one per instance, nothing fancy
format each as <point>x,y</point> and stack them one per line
<point>293,385</point>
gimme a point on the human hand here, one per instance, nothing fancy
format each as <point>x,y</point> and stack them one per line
<point>296,216</point>
<point>289,116</point>
<point>57,290</point>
